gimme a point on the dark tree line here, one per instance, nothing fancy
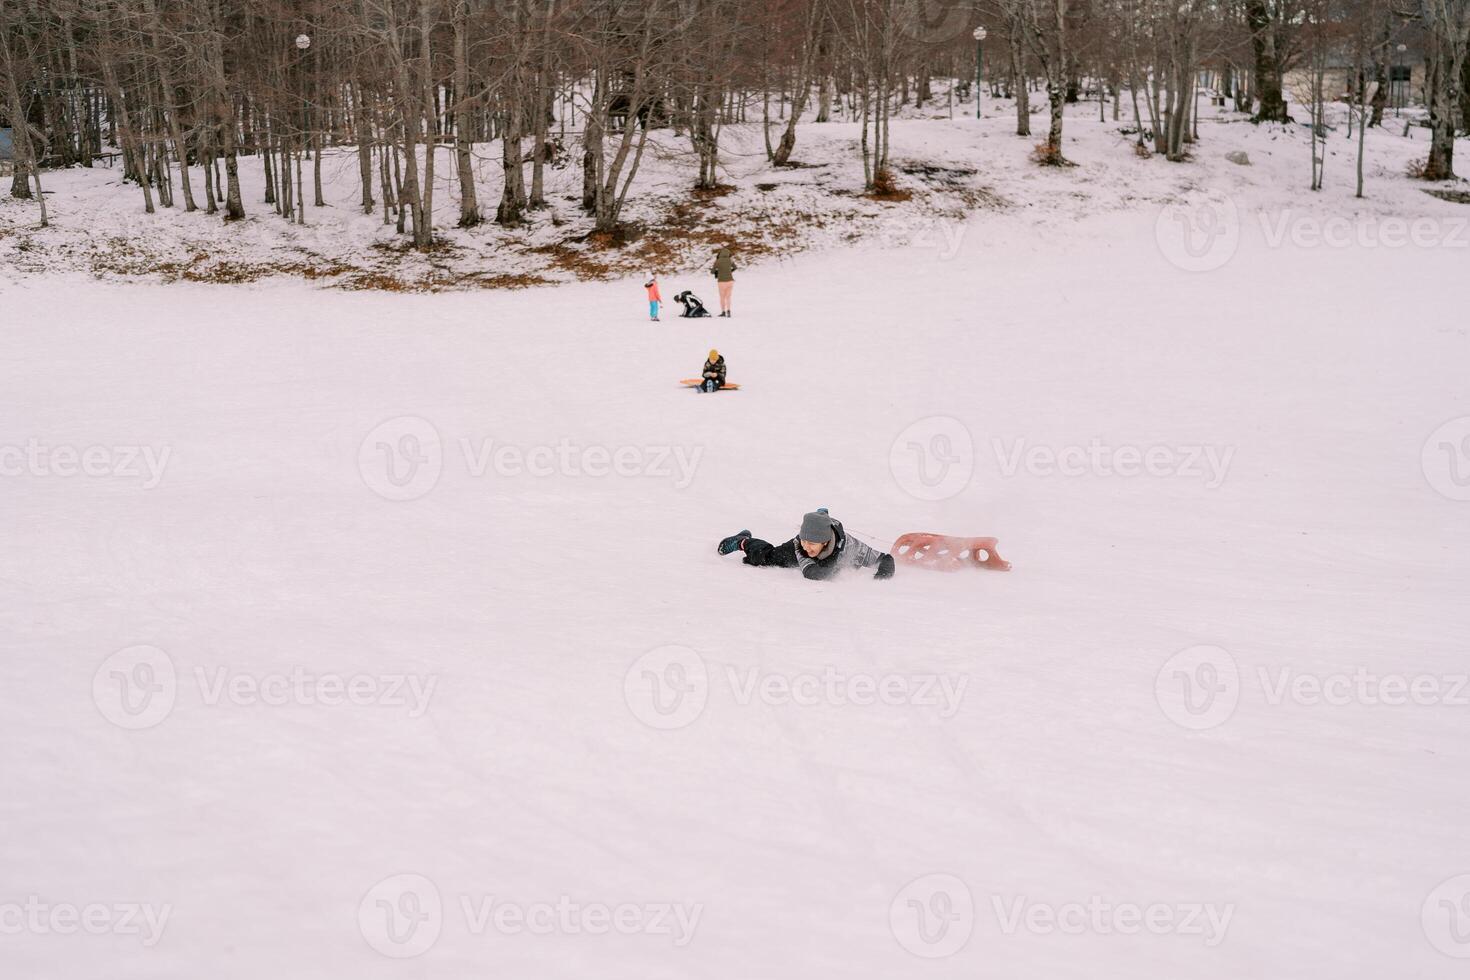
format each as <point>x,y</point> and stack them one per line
<point>187,92</point>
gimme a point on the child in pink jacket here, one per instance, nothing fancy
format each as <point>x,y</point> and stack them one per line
<point>654,299</point>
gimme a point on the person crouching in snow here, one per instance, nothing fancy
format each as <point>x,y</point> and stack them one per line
<point>691,303</point>
<point>654,299</point>
<point>714,372</point>
<point>820,549</point>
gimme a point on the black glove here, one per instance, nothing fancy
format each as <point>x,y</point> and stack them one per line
<point>885,567</point>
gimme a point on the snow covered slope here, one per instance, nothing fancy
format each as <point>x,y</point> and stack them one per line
<point>945,167</point>
<point>392,626</point>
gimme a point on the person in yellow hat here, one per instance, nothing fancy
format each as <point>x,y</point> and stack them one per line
<point>714,372</point>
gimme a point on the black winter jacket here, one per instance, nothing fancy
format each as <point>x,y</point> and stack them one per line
<point>716,370</point>
<point>846,552</point>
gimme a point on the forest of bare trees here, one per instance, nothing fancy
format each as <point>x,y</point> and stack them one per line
<point>185,93</point>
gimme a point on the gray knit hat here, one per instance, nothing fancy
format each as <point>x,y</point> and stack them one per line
<point>816,527</point>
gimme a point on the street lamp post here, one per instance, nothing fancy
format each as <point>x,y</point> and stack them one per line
<point>303,42</point>
<point>979,66</point>
<point>1398,83</point>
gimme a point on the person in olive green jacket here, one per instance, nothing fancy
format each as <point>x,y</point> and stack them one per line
<point>724,271</point>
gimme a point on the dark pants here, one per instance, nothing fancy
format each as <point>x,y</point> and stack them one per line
<point>758,552</point>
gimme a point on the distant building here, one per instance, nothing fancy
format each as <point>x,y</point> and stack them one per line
<point>7,145</point>
<point>1340,79</point>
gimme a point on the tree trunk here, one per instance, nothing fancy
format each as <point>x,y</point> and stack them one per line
<point>364,155</point>
<point>469,202</point>
<point>1380,89</point>
<point>423,233</point>
<point>170,108</point>
<point>592,145</point>
<point>132,151</point>
<point>1018,79</point>
<point>1442,82</point>
<point>1268,71</point>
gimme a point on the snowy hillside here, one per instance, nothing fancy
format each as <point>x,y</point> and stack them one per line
<point>946,168</point>
<point>357,634</point>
